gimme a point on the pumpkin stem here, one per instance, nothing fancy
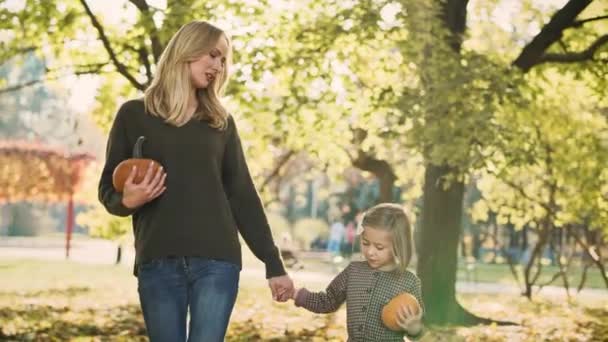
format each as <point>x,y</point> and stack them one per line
<point>138,148</point>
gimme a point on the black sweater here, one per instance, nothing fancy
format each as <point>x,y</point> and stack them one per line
<point>210,195</point>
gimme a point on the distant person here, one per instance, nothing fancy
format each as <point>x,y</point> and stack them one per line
<point>336,232</point>
<point>319,243</point>
<point>349,239</point>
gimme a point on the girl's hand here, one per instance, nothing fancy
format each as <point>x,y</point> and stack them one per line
<point>408,320</point>
<point>295,294</point>
<point>152,186</point>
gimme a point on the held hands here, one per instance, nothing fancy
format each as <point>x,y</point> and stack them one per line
<point>152,186</point>
<point>295,293</point>
<point>409,320</point>
<point>281,287</point>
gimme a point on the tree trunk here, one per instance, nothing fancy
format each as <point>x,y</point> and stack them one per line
<point>495,242</point>
<point>524,239</point>
<point>529,278</point>
<point>442,208</point>
<point>595,257</point>
<point>442,211</point>
<point>438,250</point>
<point>387,182</point>
<point>463,248</point>
<point>476,245</point>
<point>383,172</point>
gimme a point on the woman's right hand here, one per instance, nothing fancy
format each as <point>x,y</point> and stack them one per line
<point>152,186</point>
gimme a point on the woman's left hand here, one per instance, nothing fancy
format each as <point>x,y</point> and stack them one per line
<point>282,288</point>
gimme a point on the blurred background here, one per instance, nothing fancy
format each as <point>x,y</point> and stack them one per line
<point>486,120</point>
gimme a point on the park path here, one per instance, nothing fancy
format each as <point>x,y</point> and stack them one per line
<point>97,251</point>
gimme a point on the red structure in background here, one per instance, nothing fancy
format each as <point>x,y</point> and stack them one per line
<point>36,173</point>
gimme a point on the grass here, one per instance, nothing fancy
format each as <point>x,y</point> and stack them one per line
<point>66,301</point>
<point>501,273</point>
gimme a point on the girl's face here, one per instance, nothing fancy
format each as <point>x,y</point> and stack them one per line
<point>377,247</point>
<point>206,68</point>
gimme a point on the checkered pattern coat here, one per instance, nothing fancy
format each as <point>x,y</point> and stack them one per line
<point>365,291</point>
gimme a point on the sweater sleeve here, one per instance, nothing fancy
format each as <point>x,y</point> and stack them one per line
<point>246,205</point>
<point>326,301</point>
<point>117,150</point>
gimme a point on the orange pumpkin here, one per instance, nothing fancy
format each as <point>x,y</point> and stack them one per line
<point>390,311</point>
<point>122,171</point>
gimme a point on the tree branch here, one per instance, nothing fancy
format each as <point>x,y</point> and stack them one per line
<point>366,162</point>
<point>20,51</point>
<point>550,33</point>
<point>275,172</point>
<point>455,18</point>
<point>520,189</point>
<point>572,57</point>
<point>142,54</point>
<point>597,261</point>
<point>84,69</point>
<point>563,45</point>
<point>79,69</point>
<point>143,57</point>
<point>581,22</point>
<point>121,68</point>
<point>381,169</point>
<point>144,8</point>
<point>20,86</point>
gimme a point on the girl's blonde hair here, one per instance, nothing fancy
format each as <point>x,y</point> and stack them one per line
<point>168,94</point>
<point>391,217</point>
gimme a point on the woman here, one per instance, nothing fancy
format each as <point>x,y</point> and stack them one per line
<point>187,214</point>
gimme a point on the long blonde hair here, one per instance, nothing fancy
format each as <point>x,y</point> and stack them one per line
<point>392,218</point>
<point>168,94</point>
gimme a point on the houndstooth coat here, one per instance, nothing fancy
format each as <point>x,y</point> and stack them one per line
<point>365,291</point>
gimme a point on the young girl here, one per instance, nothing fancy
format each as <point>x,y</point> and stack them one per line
<point>188,215</point>
<point>367,286</point>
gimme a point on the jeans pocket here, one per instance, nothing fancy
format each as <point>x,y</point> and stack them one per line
<point>152,272</point>
<point>149,265</point>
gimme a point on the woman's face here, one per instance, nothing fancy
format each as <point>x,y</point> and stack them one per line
<point>207,68</point>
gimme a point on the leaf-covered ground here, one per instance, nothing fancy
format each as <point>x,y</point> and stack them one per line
<point>57,301</point>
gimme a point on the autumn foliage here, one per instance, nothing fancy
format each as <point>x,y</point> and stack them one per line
<point>33,172</point>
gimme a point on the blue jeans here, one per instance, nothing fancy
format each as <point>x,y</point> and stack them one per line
<point>168,287</point>
<point>334,246</point>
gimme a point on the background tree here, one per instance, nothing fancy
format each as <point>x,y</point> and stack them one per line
<point>468,103</point>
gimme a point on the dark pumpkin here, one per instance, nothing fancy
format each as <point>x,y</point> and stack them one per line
<point>122,171</point>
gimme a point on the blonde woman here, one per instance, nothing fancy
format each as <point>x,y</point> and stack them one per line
<point>188,214</point>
